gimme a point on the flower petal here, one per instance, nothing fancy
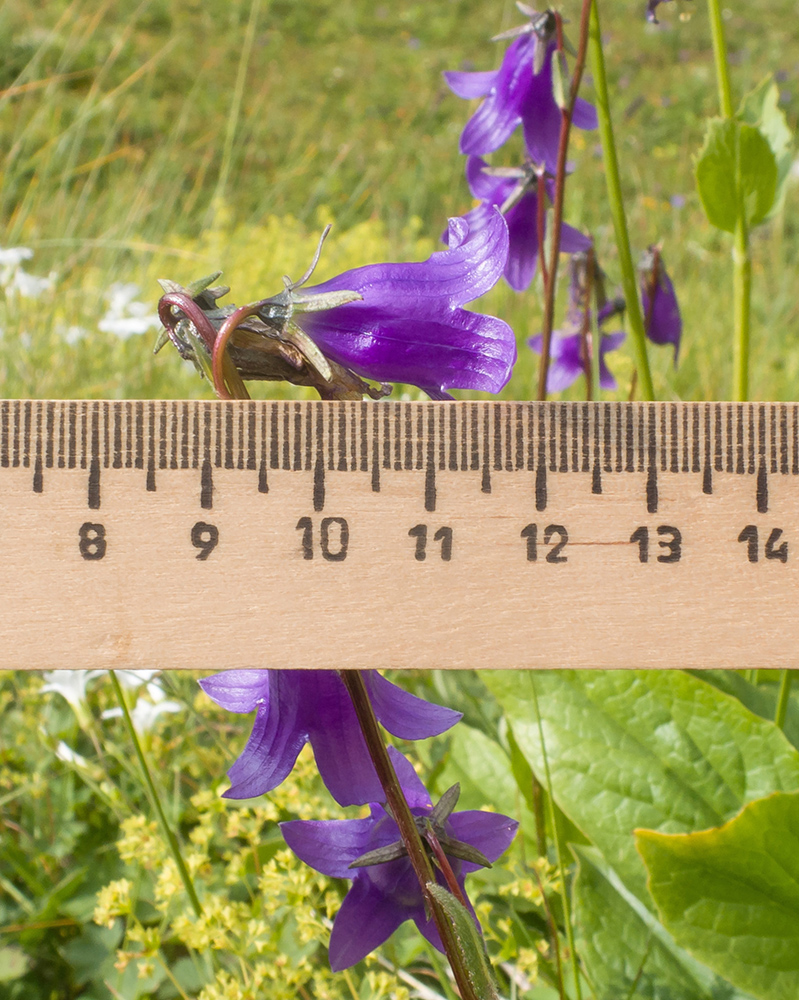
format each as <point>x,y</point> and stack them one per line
<point>238,690</point>
<point>416,795</point>
<point>572,240</point>
<point>490,833</point>
<point>338,744</point>
<point>522,222</point>
<point>403,714</point>
<point>584,115</point>
<point>665,322</point>
<point>501,111</point>
<point>330,846</point>
<point>274,744</point>
<point>366,919</point>
<point>470,85</point>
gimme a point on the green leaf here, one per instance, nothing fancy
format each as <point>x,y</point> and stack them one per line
<point>470,942</point>
<point>730,895</point>
<point>736,173</point>
<point>757,167</point>
<point>760,108</point>
<point>626,951</point>
<point>655,749</point>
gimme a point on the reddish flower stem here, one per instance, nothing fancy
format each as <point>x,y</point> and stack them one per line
<point>443,863</point>
<point>550,286</point>
<point>408,831</point>
<point>190,310</point>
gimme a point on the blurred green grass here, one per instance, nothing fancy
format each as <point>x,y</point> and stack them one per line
<point>168,139</point>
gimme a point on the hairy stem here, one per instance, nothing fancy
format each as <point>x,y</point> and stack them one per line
<point>616,201</point>
<point>155,800</point>
<point>408,831</point>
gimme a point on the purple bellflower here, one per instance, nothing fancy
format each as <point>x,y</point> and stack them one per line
<point>519,92</point>
<point>390,322</point>
<point>294,707</point>
<point>385,893</point>
<point>662,319</point>
<point>515,193</point>
<point>407,324</point>
<point>566,359</point>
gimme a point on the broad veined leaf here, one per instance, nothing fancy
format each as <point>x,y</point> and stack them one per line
<point>625,950</point>
<point>736,171</point>
<point>654,749</point>
<point>730,895</point>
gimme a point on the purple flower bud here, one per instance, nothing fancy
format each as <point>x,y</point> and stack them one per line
<point>294,707</point>
<point>522,218</point>
<point>409,325</point>
<point>519,92</point>
<point>662,320</point>
<point>384,895</point>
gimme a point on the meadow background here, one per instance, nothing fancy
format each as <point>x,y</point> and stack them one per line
<point>179,137</point>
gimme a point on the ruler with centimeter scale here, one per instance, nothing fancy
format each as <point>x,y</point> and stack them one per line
<point>394,534</point>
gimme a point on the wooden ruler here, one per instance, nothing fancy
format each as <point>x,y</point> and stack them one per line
<point>307,534</point>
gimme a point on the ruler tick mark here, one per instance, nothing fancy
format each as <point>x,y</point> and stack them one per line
<point>652,490</point>
<point>38,484</point>
<point>319,484</point>
<point>762,489</point>
<point>94,484</point>
<point>150,481</point>
<point>206,486</point>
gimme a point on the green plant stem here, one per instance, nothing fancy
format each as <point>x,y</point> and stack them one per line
<point>559,850</point>
<point>782,698</point>
<point>741,259</point>
<point>742,297</point>
<point>720,57</point>
<point>400,811</point>
<point>613,179</point>
<point>155,800</point>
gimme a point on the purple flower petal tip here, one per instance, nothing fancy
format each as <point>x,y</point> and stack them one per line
<point>237,690</point>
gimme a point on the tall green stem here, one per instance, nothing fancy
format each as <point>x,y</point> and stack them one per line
<point>742,297</point>
<point>155,800</point>
<point>613,179</point>
<point>720,57</point>
<point>741,259</point>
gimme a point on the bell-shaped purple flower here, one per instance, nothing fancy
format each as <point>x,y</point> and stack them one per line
<point>662,319</point>
<point>522,218</point>
<point>566,362</point>
<point>519,92</point>
<point>384,895</point>
<point>408,325</point>
<point>294,707</point>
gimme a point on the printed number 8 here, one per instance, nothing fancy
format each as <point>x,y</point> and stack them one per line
<point>92,540</point>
